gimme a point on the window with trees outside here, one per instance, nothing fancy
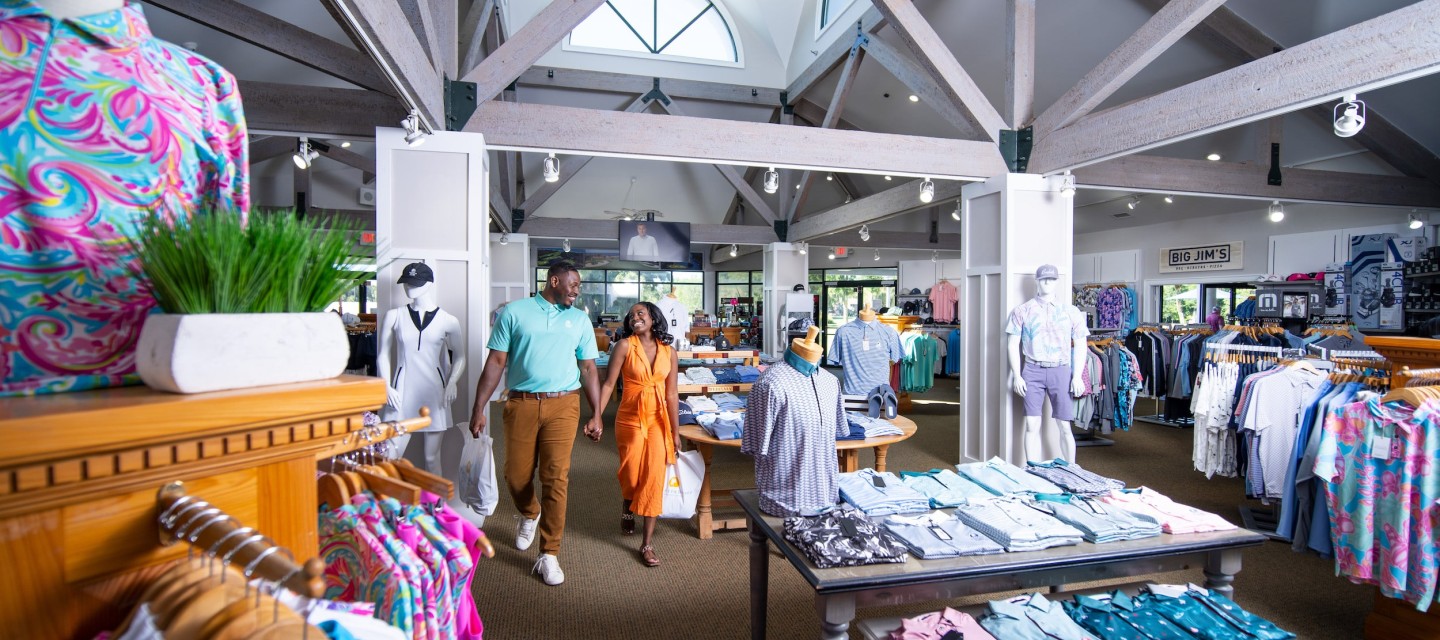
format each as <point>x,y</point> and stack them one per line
<point>615,291</point>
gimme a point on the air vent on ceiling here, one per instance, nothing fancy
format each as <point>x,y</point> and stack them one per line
<point>1122,214</point>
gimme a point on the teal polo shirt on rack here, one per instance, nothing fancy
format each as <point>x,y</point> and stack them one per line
<point>543,341</point>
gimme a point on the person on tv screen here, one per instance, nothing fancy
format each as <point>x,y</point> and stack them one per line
<point>642,247</point>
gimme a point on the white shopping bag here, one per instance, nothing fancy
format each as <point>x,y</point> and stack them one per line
<point>682,485</point>
<point>477,474</point>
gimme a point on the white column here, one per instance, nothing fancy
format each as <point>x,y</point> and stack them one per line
<point>1011,224</point>
<point>785,267</point>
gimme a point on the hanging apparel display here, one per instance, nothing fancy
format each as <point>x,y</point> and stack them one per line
<point>952,353</point>
<point>864,352</point>
<point>792,419</point>
<point>1114,307</point>
<point>917,367</point>
<point>843,538</point>
<point>677,317</point>
<point>420,363</point>
<point>103,123</point>
<point>1112,380</point>
<point>943,300</point>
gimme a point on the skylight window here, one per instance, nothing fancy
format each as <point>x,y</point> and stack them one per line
<point>831,9</point>
<point>694,30</point>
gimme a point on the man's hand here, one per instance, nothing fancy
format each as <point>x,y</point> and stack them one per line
<point>594,429</point>
<point>477,424</point>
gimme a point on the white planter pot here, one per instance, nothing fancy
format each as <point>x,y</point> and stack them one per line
<point>212,352</point>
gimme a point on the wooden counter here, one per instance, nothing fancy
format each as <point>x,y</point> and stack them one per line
<point>80,471</point>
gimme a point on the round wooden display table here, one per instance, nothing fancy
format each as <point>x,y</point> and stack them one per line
<point>848,452</point>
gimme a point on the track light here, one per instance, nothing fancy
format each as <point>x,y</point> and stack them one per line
<point>566,245</point>
<point>1169,199</point>
<point>829,177</point>
<point>772,180</point>
<point>414,136</point>
<point>877,255</point>
<point>927,190</point>
<point>832,254</point>
<point>1214,157</point>
<point>344,144</point>
<point>956,213</point>
<point>1134,202</point>
<point>934,256</point>
<point>864,233</point>
<point>1415,221</point>
<point>552,168</point>
<point>887,177</point>
<point>1277,211</point>
<point>1349,116</point>
<point>304,154</point>
<point>1067,185</point>
<point>504,238</point>
<point>734,250</point>
<point>804,248</point>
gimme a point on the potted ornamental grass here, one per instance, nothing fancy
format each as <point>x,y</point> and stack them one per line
<point>243,301</point>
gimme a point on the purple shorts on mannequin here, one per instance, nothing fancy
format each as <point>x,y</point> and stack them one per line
<point>1053,382</point>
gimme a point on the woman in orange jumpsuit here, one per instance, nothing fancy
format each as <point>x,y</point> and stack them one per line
<point>647,420</point>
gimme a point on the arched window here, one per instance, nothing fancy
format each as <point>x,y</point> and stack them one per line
<point>831,9</point>
<point>695,30</point>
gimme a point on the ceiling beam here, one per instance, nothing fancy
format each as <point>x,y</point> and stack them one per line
<point>747,193</point>
<point>392,43</point>
<point>1247,180</point>
<point>537,127</point>
<point>918,80</point>
<point>445,17</point>
<point>1234,37</point>
<point>472,34</point>
<point>870,23</point>
<point>895,201</point>
<point>1170,23</point>
<point>526,46</point>
<point>935,57</point>
<point>317,111</point>
<point>262,149</point>
<point>417,15</point>
<point>1392,48</point>
<point>589,229</point>
<point>832,117</point>
<point>883,240</point>
<point>1020,62</point>
<point>814,114</point>
<point>351,159</point>
<point>499,211</point>
<point>630,83</point>
<point>281,38</point>
<point>536,200</point>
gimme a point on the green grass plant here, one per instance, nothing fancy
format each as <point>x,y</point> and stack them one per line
<point>218,263</point>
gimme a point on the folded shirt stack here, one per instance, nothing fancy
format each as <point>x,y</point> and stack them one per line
<point>1173,517</point>
<point>748,374</point>
<point>726,376</point>
<point>702,348</point>
<point>702,404</point>
<point>936,625</point>
<point>1117,616</point>
<point>728,402</point>
<point>700,375</point>
<point>1099,522</point>
<point>735,360</point>
<point>681,378</point>
<point>691,362</point>
<point>944,487</point>
<point>861,489</point>
<point>940,535</point>
<point>1207,613</point>
<point>1032,617</point>
<point>603,360</point>
<point>868,427</point>
<point>1070,477</point>
<point>766,358</point>
<point>843,538</point>
<point>1016,526</point>
<point>726,425</point>
<point>1003,478</point>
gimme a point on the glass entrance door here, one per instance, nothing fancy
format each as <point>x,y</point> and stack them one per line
<point>844,300</point>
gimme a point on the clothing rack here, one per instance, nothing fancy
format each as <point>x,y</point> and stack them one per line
<point>181,516</point>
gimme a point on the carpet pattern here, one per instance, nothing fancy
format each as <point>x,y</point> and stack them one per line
<point>701,589</point>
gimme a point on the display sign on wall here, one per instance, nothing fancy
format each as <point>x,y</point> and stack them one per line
<point>1206,257</point>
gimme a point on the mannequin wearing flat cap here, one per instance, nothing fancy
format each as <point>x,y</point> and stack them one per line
<point>1050,335</point>
<point>422,359</point>
<point>792,418</point>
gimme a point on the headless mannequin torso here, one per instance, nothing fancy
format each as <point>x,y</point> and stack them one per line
<point>1063,441</point>
<point>430,384</point>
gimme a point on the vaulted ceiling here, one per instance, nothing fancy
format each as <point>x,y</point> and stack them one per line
<point>1071,38</point>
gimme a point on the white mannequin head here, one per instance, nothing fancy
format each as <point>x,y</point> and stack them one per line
<point>416,291</point>
<point>1045,288</point>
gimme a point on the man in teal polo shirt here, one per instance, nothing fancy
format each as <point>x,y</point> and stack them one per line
<point>550,349</point>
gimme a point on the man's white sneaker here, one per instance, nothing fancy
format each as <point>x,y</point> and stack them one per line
<point>548,567</point>
<point>526,534</point>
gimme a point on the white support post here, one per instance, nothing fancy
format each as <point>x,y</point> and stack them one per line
<point>1012,224</point>
<point>785,267</point>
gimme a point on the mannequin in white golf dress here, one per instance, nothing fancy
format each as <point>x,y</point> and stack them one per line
<point>421,358</point>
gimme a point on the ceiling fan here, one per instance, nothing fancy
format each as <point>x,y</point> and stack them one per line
<point>626,213</point>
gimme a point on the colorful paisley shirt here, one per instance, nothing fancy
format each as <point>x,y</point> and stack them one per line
<point>100,123</point>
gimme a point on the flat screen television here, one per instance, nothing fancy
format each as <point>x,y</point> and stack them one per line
<point>650,241</point>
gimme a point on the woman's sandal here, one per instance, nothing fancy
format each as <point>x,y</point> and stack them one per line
<point>627,524</point>
<point>647,555</point>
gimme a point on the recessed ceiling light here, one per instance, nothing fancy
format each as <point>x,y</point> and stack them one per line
<point>914,98</point>
<point>345,144</point>
<point>1169,199</point>
<point>1214,157</point>
<point>887,177</point>
<point>829,178</point>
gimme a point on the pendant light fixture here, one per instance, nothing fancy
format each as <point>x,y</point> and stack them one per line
<point>1277,211</point>
<point>414,135</point>
<point>772,180</point>
<point>552,168</point>
<point>1349,116</point>
<point>927,190</point>
<point>1067,185</point>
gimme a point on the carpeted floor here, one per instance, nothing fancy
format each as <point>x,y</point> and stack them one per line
<point>701,589</point>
